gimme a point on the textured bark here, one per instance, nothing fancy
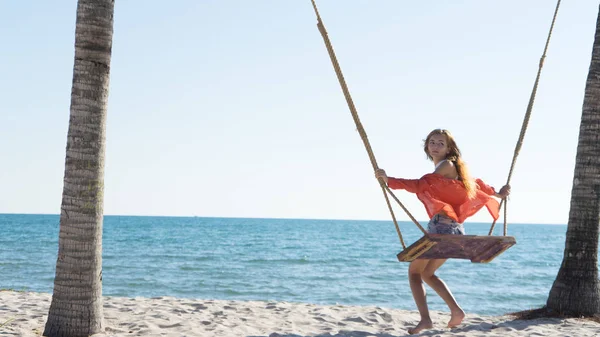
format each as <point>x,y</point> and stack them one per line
<point>576,290</point>
<point>76,308</point>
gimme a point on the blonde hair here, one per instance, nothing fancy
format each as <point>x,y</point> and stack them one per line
<point>455,157</point>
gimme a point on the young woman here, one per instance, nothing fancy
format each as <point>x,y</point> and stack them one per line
<point>450,195</point>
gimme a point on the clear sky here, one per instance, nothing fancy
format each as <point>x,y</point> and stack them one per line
<point>232,108</point>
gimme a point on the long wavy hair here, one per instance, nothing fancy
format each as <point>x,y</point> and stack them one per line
<point>455,157</point>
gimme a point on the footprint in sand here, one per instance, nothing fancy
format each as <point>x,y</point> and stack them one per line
<point>170,326</point>
<point>356,319</point>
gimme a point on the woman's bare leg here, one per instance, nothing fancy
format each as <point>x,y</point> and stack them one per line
<point>418,291</point>
<point>456,313</point>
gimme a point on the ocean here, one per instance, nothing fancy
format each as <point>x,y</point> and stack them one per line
<point>293,260</point>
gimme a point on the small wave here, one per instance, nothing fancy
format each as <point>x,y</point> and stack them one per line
<point>303,260</point>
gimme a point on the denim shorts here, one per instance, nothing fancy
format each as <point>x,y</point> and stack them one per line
<point>441,224</point>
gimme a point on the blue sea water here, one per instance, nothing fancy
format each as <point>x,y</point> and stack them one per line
<point>295,260</point>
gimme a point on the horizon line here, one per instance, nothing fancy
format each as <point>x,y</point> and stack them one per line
<point>266,218</point>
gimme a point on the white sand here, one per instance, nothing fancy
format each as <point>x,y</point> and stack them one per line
<point>167,316</point>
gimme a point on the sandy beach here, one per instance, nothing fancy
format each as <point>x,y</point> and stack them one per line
<point>24,314</point>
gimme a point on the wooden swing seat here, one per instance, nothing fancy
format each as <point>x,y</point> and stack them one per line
<point>478,249</point>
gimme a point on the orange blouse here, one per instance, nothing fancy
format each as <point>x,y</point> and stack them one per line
<point>439,193</point>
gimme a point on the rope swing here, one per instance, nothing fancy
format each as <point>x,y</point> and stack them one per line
<point>475,248</point>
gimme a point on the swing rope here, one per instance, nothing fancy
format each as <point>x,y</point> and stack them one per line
<point>367,145</point>
<point>526,118</point>
<point>360,129</point>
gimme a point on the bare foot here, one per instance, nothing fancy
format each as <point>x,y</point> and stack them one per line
<point>456,317</point>
<point>423,324</point>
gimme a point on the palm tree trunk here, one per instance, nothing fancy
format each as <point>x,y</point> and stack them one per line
<point>576,290</point>
<point>76,308</point>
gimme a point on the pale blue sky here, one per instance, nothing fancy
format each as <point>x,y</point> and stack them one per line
<point>232,108</point>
